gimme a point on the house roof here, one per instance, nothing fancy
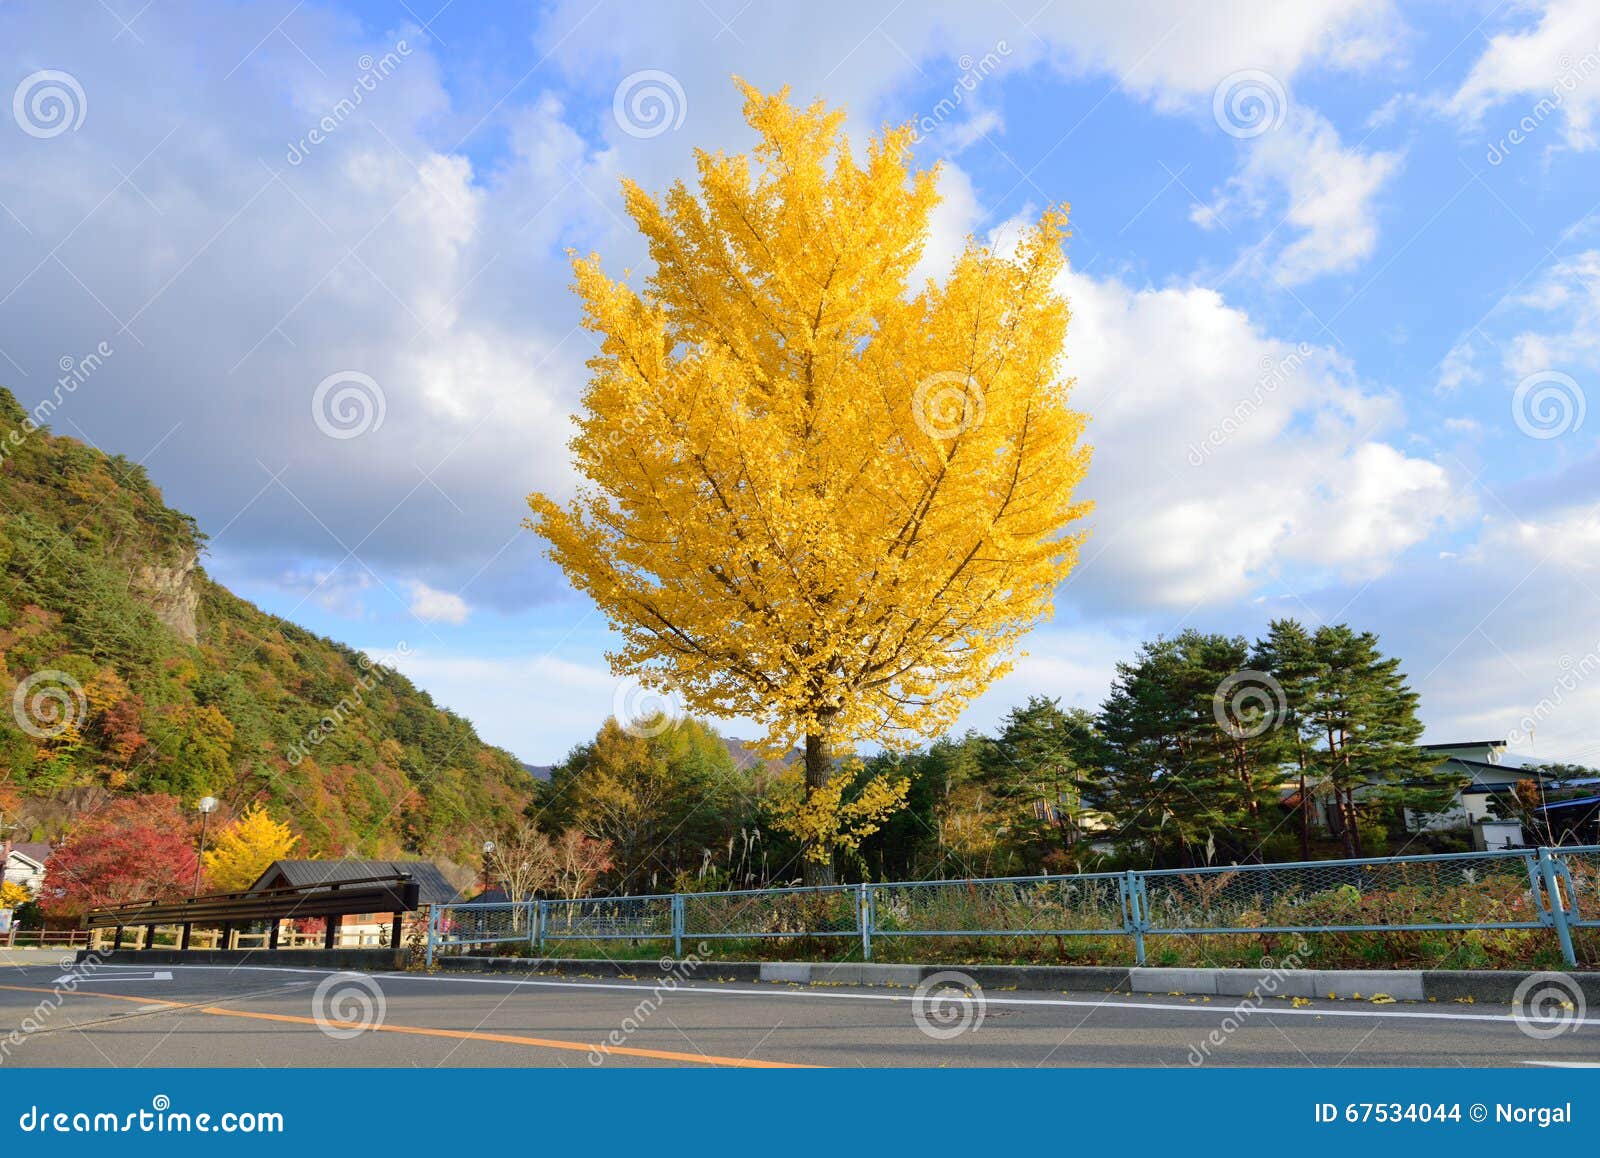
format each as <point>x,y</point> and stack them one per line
<point>1466,744</point>
<point>1554,805</point>
<point>37,851</point>
<point>435,889</point>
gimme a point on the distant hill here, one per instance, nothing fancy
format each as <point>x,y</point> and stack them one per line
<point>174,684</point>
<point>745,757</point>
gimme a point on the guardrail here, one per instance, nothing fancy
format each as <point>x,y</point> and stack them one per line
<point>43,938</point>
<point>1554,889</point>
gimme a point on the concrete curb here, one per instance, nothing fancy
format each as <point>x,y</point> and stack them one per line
<point>1494,986</point>
<point>1401,984</point>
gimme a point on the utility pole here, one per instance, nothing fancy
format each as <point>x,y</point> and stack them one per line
<point>5,863</point>
<point>207,805</point>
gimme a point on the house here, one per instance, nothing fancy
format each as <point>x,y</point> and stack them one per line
<point>1487,776</point>
<point>25,865</point>
<point>1482,809</point>
<point>358,929</point>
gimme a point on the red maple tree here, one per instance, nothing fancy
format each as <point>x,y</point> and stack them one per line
<point>136,848</point>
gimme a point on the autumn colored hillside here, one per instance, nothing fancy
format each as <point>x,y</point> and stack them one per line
<point>125,670</point>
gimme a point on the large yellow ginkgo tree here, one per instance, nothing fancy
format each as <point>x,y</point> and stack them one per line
<point>817,495</point>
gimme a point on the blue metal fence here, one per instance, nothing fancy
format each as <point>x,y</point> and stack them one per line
<point>1550,889</point>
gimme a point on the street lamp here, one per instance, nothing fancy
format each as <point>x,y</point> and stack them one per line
<point>207,805</point>
<point>488,849</point>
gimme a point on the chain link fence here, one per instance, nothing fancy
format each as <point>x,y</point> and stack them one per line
<point>1469,891</point>
<point>833,911</point>
<point>1053,906</point>
<point>607,918</point>
<point>1530,889</point>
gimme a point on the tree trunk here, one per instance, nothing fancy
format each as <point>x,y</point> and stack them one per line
<point>819,770</point>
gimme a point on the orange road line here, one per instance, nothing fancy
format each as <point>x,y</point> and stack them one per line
<point>425,1031</point>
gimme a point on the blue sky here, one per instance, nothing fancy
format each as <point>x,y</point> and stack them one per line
<point>1335,280</point>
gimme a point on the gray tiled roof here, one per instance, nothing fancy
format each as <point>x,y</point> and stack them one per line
<point>435,889</point>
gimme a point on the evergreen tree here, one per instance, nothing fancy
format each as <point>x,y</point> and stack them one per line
<point>1363,716</point>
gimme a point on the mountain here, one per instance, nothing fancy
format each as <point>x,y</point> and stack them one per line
<point>128,670</point>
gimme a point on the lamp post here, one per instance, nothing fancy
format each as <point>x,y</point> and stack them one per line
<point>207,805</point>
<point>488,850</point>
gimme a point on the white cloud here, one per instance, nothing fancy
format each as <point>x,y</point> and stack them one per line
<point>1555,64</point>
<point>434,606</point>
<point>1226,458</point>
<point>1324,192</point>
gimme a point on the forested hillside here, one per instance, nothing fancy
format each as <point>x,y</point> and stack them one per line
<point>124,669</point>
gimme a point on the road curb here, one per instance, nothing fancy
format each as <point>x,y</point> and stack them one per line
<point>1458,985</point>
<point>1495,986</point>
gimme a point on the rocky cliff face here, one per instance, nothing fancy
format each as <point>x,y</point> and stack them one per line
<point>171,594</point>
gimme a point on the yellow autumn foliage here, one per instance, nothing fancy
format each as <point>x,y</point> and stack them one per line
<point>245,848</point>
<point>818,496</point>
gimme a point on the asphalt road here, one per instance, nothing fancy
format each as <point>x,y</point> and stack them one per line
<point>125,1016</point>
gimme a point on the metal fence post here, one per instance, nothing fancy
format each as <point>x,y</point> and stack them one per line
<point>433,929</point>
<point>677,926</point>
<point>1558,905</point>
<point>1133,914</point>
<point>533,925</point>
<point>864,918</point>
<point>539,924</point>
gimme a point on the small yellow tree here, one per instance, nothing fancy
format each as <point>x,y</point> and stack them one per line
<point>819,496</point>
<point>13,895</point>
<point>245,848</point>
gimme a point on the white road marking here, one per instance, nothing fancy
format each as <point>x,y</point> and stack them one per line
<point>1110,1001</point>
<point>1563,1065</point>
<point>97,978</point>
